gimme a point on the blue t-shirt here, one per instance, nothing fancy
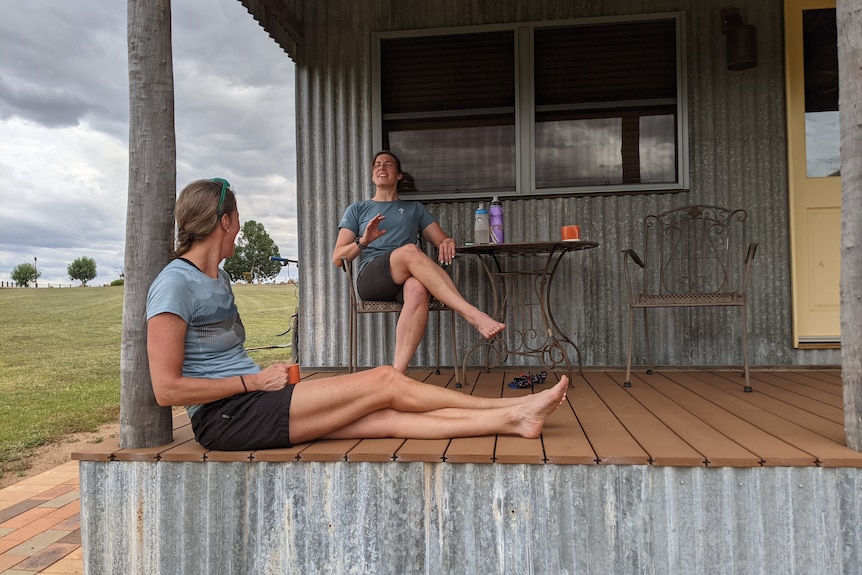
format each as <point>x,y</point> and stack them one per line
<point>215,338</point>
<point>404,222</point>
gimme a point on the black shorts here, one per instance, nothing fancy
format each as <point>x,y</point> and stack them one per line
<point>375,282</point>
<point>256,420</point>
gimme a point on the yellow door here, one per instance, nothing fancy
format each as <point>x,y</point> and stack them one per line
<point>814,170</point>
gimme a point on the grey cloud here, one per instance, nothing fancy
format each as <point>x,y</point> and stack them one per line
<point>64,67</point>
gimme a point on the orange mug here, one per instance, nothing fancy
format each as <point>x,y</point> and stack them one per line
<point>571,233</point>
<point>293,373</point>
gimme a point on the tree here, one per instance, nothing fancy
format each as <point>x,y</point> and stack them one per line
<point>849,17</point>
<point>82,269</point>
<point>253,249</point>
<point>25,273</point>
<point>149,213</point>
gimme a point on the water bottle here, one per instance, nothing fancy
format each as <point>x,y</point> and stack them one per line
<point>496,221</point>
<point>480,225</point>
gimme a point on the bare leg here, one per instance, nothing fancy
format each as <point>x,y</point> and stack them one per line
<point>411,323</point>
<point>409,260</point>
<point>338,405</point>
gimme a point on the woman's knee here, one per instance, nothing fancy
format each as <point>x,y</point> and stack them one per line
<point>408,252</point>
<point>386,381</point>
<point>415,292</point>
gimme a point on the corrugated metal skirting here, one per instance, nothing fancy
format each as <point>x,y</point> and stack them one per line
<point>214,518</point>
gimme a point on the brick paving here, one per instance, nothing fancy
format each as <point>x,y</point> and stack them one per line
<point>40,524</point>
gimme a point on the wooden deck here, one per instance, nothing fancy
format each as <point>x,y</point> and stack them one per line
<point>671,418</point>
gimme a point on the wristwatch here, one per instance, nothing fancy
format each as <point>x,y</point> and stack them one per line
<point>359,244</point>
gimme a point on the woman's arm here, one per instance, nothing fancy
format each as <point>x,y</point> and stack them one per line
<point>346,246</point>
<point>166,334</point>
<point>445,245</point>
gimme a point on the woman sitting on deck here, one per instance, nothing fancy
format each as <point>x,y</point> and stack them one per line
<point>195,341</point>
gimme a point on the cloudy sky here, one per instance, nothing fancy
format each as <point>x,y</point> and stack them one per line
<point>64,126</point>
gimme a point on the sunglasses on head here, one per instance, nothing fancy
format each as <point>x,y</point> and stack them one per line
<point>225,186</point>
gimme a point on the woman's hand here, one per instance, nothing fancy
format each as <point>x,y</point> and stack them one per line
<point>446,251</point>
<point>372,230</point>
<point>272,378</point>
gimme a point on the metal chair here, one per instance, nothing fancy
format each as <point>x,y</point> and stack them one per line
<point>359,307</point>
<point>694,256</point>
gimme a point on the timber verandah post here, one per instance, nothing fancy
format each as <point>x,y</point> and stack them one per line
<point>849,21</point>
<point>150,211</point>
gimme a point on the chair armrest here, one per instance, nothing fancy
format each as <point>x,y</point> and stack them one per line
<point>635,257</point>
<point>752,249</point>
<point>746,267</point>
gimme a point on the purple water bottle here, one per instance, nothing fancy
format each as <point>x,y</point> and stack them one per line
<point>496,221</point>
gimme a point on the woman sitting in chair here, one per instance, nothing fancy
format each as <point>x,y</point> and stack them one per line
<point>197,358</point>
<point>383,232</point>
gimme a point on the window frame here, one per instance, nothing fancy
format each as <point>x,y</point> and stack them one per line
<point>526,109</point>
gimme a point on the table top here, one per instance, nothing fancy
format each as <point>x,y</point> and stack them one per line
<point>527,248</point>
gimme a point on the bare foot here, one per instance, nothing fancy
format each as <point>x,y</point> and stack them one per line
<point>532,418</point>
<point>486,325</point>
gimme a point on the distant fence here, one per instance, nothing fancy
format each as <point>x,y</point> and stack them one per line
<point>8,284</point>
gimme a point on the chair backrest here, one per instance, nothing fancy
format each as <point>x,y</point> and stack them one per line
<point>695,249</point>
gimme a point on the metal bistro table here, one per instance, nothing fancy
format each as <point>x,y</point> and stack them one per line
<point>521,274</point>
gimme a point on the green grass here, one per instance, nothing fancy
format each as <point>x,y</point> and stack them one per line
<point>60,358</point>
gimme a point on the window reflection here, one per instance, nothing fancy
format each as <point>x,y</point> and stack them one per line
<point>477,158</point>
<point>579,152</point>
<point>820,48</point>
<point>657,147</point>
<point>605,151</point>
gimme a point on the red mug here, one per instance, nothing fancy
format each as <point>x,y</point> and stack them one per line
<point>571,233</point>
<point>293,373</point>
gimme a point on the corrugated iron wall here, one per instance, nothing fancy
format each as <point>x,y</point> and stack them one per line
<point>737,158</point>
<point>393,518</point>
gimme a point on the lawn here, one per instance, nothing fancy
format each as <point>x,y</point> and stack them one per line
<point>60,358</point>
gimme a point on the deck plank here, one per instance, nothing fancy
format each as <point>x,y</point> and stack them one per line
<point>424,450</point>
<point>563,437</point>
<point>182,434</point>
<point>826,452</point>
<point>805,379</point>
<point>827,375</point>
<point>381,449</point>
<point>103,451</point>
<point>612,443</point>
<point>189,450</point>
<point>280,454</point>
<point>328,450</point>
<point>771,450</point>
<point>779,380</point>
<point>799,415</point>
<point>717,449</point>
<point>662,444</point>
<point>827,411</point>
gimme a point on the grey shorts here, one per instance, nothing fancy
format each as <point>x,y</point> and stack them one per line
<point>256,420</point>
<point>375,282</point>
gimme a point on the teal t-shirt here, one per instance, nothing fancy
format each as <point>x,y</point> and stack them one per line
<point>215,338</point>
<point>404,223</point>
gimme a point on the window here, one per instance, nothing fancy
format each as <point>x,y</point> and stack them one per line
<point>535,109</point>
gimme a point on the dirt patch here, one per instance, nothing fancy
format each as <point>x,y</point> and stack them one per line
<point>59,452</point>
